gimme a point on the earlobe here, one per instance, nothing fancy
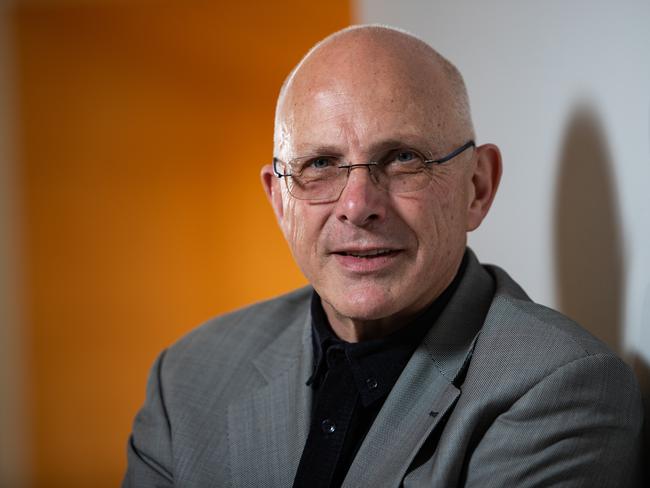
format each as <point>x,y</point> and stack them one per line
<point>271,185</point>
<point>485,181</point>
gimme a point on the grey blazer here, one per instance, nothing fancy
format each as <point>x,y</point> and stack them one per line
<point>523,398</point>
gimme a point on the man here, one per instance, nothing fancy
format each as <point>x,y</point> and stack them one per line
<point>406,363</point>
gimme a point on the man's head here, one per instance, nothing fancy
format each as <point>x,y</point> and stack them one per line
<point>359,94</point>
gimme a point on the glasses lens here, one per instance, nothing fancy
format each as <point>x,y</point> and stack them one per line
<point>325,187</point>
<point>407,179</point>
<point>330,186</point>
<point>324,178</point>
<point>403,171</point>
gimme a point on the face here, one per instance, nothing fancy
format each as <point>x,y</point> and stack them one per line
<point>371,255</point>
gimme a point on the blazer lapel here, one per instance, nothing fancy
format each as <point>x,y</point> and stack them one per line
<point>409,415</point>
<point>427,388</point>
<point>268,427</point>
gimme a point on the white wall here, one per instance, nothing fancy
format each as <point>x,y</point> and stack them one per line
<point>13,431</point>
<point>564,89</point>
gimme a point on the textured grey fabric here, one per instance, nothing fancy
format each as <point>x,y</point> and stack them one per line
<point>527,398</point>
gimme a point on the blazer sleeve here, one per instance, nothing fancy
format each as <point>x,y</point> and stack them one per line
<point>580,426</point>
<point>149,450</point>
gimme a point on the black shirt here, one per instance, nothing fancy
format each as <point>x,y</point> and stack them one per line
<point>350,383</point>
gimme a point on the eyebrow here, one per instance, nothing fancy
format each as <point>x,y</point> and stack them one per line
<point>416,142</point>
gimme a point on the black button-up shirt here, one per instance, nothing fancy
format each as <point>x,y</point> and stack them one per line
<point>350,383</point>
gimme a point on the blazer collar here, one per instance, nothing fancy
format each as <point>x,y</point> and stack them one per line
<point>268,426</point>
<point>290,347</point>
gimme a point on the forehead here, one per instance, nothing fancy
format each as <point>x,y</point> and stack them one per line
<point>360,113</point>
<point>356,94</point>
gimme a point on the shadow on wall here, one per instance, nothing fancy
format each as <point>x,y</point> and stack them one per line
<point>588,243</point>
<point>588,248</point>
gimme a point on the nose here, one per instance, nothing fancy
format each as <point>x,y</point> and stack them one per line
<point>362,202</point>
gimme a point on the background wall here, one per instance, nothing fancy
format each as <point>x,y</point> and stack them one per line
<point>131,136</point>
<point>564,89</point>
<point>14,427</point>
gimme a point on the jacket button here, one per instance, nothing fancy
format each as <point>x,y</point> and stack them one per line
<point>328,426</point>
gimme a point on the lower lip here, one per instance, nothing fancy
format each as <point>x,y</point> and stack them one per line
<point>368,264</point>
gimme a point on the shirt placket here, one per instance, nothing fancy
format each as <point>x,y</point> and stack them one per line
<point>330,423</point>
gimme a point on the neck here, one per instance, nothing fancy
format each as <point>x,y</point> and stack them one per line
<point>357,330</point>
<point>353,329</point>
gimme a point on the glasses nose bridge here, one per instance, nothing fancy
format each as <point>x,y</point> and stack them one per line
<point>370,166</point>
<point>372,174</point>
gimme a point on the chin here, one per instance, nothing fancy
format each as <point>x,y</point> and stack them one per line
<point>364,306</point>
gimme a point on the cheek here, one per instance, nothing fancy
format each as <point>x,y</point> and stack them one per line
<point>302,226</point>
<point>436,219</point>
<point>289,220</point>
<point>451,194</point>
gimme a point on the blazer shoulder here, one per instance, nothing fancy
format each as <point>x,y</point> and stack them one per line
<point>522,344</point>
<point>515,314</point>
<point>537,376</point>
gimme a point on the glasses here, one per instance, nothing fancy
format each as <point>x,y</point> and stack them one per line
<point>323,178</point>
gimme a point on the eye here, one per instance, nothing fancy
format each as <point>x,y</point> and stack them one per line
<point>405,156</point>
<point>318,167</point>
<point>320,162</point>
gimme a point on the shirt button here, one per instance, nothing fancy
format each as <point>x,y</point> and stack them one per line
<point>328,426</point>
<point>372,383</point>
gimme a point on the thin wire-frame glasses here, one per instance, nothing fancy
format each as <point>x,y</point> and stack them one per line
<point>323,178</point>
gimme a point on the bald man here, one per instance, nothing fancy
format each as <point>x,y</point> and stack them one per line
<point>406,362</point>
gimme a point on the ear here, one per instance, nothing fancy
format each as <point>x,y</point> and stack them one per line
<point>271,185</point>
<point>484,184</point>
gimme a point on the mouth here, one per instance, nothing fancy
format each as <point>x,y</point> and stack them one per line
<point>367,261</point>
<point>368,254</point>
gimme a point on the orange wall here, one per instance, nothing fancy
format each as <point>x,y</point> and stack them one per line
<point>143,128</point>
